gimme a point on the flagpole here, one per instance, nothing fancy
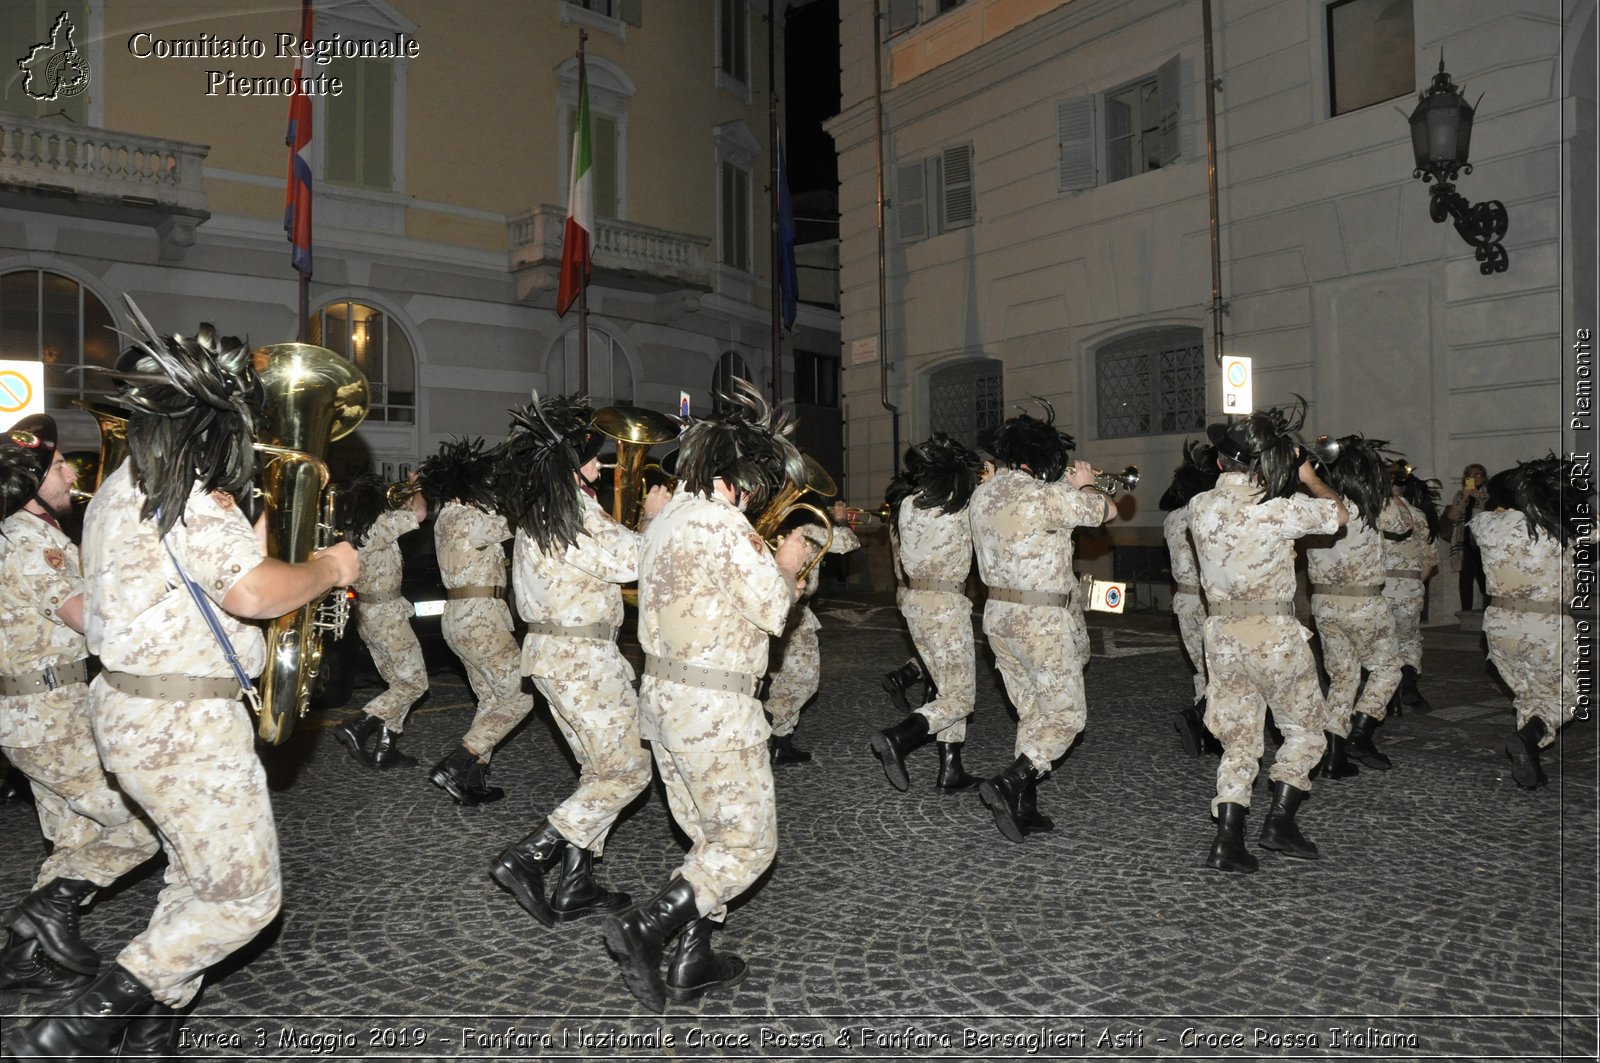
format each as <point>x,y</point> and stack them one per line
<point>772,150</point>
<point>588,251</point>
<point>305,308</point>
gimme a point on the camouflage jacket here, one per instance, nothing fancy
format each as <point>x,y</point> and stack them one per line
<point>39,572</point>
<point>1022,530</point>
<point>1244,546</point>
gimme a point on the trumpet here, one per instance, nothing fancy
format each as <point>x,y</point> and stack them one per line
<point>1324,452</point>
<point>867,518</point>
<point>1400,470</point>
<point>400,492</point>
<point>1111,482</point>
<point>771,519</point>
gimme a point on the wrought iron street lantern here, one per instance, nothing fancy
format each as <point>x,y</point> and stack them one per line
<point>1441,134</point>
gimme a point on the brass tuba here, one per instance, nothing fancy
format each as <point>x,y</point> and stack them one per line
<point>313,397</point>
<point>787,501</point>
<point>113,424</point>
<point>636,430</point>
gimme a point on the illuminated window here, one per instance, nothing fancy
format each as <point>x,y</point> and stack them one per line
<point>379,348</point>
<point>55,319</point>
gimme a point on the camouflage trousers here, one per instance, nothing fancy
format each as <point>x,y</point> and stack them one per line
<point>597,711</point>
<point>1527,649</point>
<point>797,675</point>
<point>478,630</point>
<point>1356,634</point>
<point>941,629</point>
<point>1041,652</point>
<point>1405,598</point>
<point>192,766</point>
<point>724,801</point>
<point>386,629</point>
<point>95,834</point>
<point>1190,610</point>
<point>1256,663</point>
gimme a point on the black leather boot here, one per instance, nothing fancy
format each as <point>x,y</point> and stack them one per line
<point>154,1035</point>
<point>636,936</point>
<point>953,778</point>
<point>696,970</point>
<point>896,682</point>
<point>1279,832</point>
<point>1002,795</point>
<point>1029,818</point>
<point>387,754</point>
<point>24,968</point>
<point>50,913</point>
<point>1410,696</point>
<point>1228,852</point>
<point>1523,749</point>
<point>90,1025</point>
<point>354,734</point>
<point>1191,727</point>
<point>894,744</point>
<point>1335,762</point>
<point>463,778</point>
<point>16,787</point>
<point>578,894</point>
<point>521,868</point>
<point>784,751</point>
<point>1394,707</point>
<point>1361,745</point>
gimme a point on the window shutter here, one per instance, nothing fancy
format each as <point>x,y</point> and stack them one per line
<point>1075,136</point>
<point>902,15</point>
<point>1169,77</point>
<point>910,202</point>
<point>958,206</point>
<point>603,139</point>
<point>377,124</point>
<point>632,12</point>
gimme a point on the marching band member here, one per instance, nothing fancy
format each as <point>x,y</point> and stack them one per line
<point>45,727</point>
<point>1257,653</point>
<point>1526,535</point>
<point>932,536</point>
<point>173,569</point>
<point>798,674</point>
<point>1353,617</point>
<point>1198,473</point>
<point>1022,522</point>
<point>570,559</point>
<point>458,483</point>
<point>383,618</point>
<point>1408,561</point>
<point>710,594</point>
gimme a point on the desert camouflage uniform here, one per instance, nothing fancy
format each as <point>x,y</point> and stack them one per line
<point>1187,605</point>
<point>709,595</point>
<point>1246,554</point>
<point>798,670</point>
<point>586,680</point>
<point>1407,593</point>
<point>467,540</point>
<point>932,545</point>
<point>191,765</point>
<point>47,735</point>
<point>1022,535</point>
<point>385,624</point>
<point>1528,648</point>
<point>1357,632</point>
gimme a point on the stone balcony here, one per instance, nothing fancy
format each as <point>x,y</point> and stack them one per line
<point>56,166</point>
<point>627,255</point>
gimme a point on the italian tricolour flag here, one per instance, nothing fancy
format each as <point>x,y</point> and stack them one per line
<point>579,231</point>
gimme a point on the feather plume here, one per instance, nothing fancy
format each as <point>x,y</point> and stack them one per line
<point>749,446</point>
<point>550,441</point>
<point>461,471</point>
<point>1360,472</point>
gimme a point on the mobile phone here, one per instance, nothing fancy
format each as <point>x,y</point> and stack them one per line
<point>1470,483</point>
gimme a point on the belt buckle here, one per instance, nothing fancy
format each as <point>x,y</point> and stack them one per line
<point>50,680</point>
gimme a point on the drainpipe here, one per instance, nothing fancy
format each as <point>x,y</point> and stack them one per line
<point>883,259</point>
<point>1218,307</point>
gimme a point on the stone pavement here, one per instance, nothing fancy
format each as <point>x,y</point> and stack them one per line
<point>1452,916</point>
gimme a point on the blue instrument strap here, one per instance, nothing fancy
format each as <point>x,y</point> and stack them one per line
<point>246,689</point>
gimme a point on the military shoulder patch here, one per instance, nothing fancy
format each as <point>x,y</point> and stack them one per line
<point>757,542</point>
<point>55,558</point>
<point>223,499</point>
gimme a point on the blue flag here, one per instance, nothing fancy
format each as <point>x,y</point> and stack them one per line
<point>788,281</point>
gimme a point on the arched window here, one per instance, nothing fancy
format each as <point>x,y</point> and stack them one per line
<point>965,398</point>
<point>379,348</point>
<point>730,365</point>
<point>1151,382</point>
<point>55,319</point>
<point>610,375</point>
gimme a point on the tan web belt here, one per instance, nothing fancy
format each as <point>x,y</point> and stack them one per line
<point>1347,590</point>
<point>378,597</point>
<point>1236,609</point>
<point>1404,573</point>
<point>694,675</point>
<point>57,675</point>
<point>600,630</point>
<point>1017,597</point>
<point>1523,605</point>
<point>456,594</point>
<point>1189,588</point>
<point>172,687</point>
<point>943,586</point>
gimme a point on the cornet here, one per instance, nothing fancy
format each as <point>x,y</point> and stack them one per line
<point>400,492</point>
<point>867,518</point>
<point>1111,482</point>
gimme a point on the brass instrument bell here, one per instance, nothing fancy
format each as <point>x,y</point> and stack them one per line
<point>1111,482</point>
<point>786,502</point>
<point>636,430</point>
<point>1400,470</point>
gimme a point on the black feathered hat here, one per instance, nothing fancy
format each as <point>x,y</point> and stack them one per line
<point>1198,473</point>
<point>1263,444</point>
<point>1421,495</point>
<point>461,471</point>
<point>1360,472</point>
<point>551,439</point>
<point>19,475</point>
<point>943,474</point>
<point>358,504</point>
<point>749,447</point>
<point>1037,444</point>
<point>1543,490</point>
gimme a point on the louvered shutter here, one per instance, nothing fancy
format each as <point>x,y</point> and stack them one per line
<point>1168,94</point>
<point>1075,137</point>
<point>958,204</point>
<point>910,202</point>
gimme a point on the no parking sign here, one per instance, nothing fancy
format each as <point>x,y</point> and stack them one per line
<point>1238,394</point>
<point>21,391</point>
<point>1106,597</point>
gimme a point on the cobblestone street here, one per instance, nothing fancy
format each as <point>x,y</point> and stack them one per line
<point>1452,915</point>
